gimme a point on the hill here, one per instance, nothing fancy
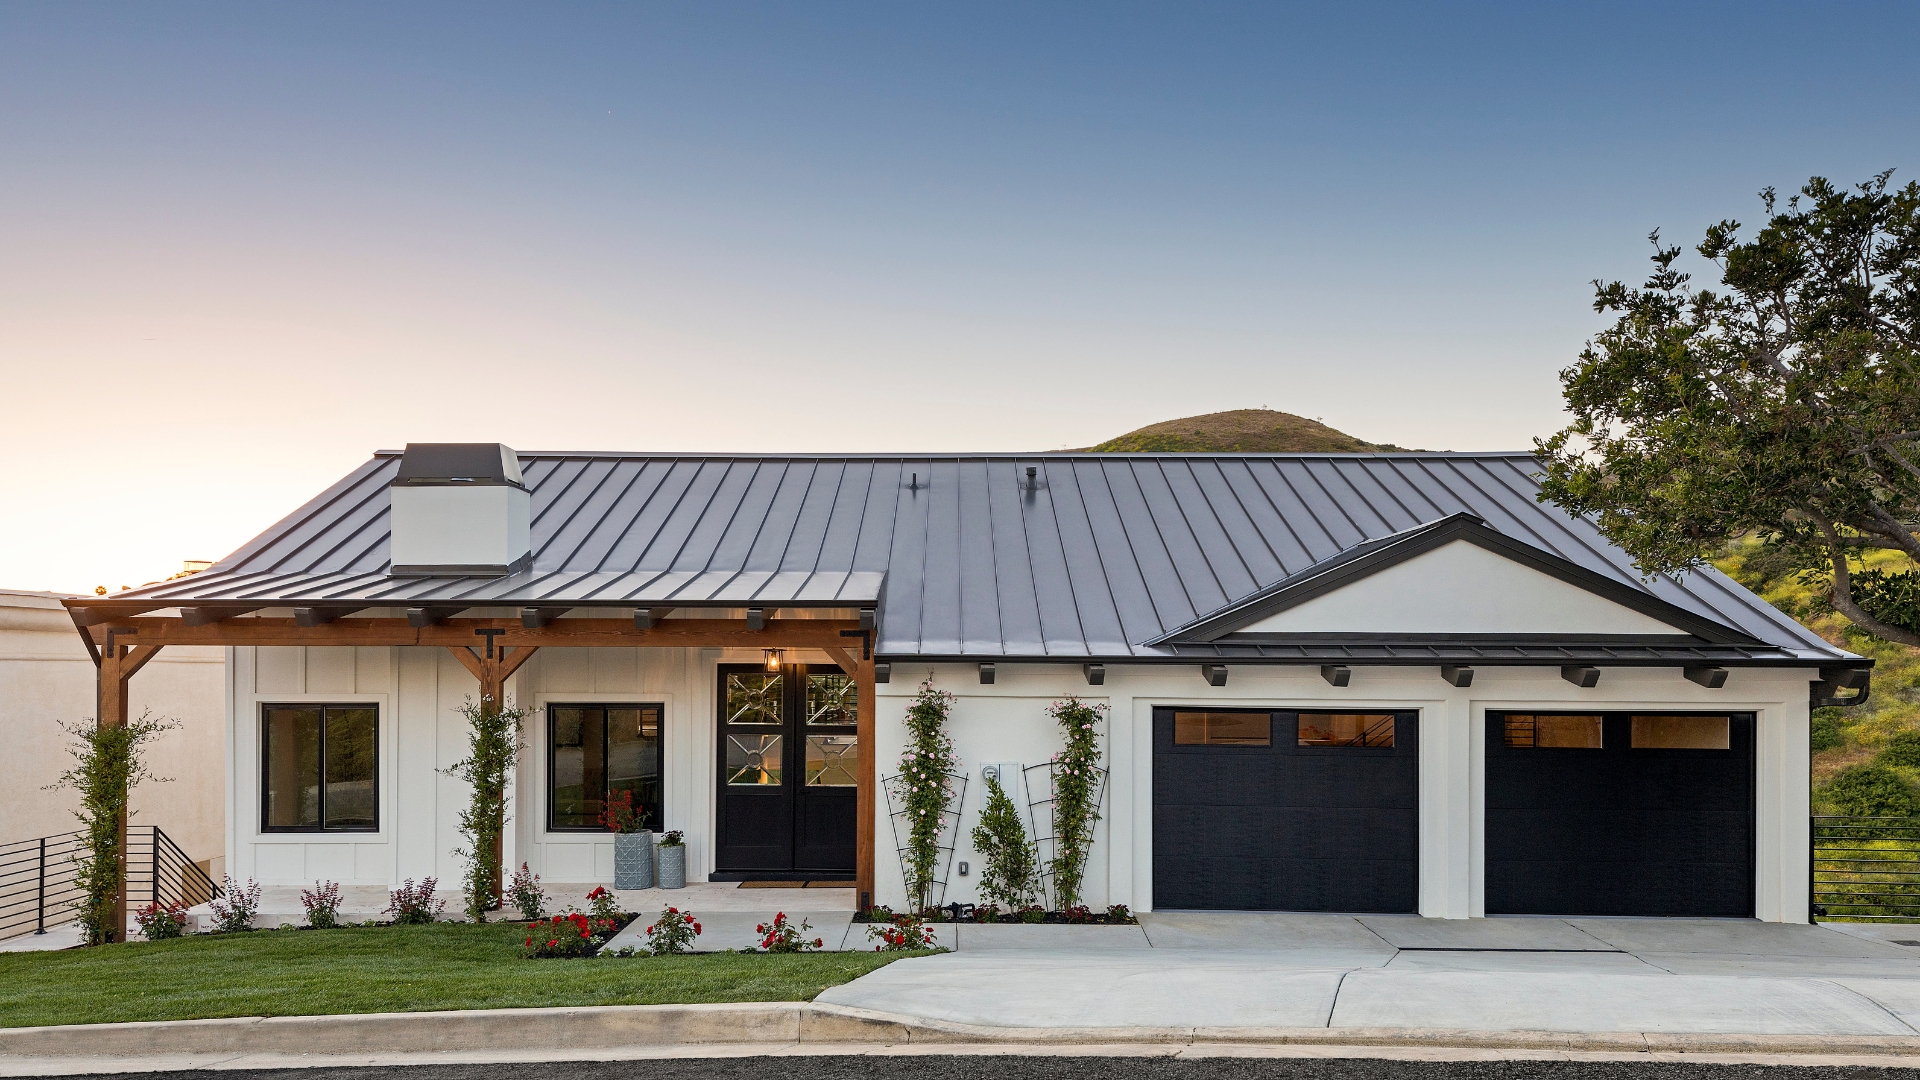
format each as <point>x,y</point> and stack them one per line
<point>1253,431</point>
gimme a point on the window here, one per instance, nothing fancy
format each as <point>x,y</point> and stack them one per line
<point>1345,729</point>
<point>1682,733</point>
<point>319,768</point>
<point>596,750</point>
<point>1222,729</point>
<point>1527,730</point>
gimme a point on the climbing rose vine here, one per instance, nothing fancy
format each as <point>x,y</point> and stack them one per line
<point>1076,795</point>
<point>924,787</point>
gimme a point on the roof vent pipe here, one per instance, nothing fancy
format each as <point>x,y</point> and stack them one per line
<point>460,510</point>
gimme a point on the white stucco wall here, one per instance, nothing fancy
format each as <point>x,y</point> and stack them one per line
<point>47,678</point>
<point>419,691</point>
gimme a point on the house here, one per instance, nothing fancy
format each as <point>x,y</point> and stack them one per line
<point>1387,683</point>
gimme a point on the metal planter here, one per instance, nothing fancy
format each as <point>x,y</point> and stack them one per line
<point>633,860</point>
<point>671,866</point>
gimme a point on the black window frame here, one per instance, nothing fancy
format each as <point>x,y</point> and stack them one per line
<point>658,812</point>
<point>323,827</point>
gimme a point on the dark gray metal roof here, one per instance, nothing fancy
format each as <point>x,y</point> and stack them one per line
<point>1100,554</point>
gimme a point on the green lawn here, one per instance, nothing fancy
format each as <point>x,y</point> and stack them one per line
<point>381,969</point>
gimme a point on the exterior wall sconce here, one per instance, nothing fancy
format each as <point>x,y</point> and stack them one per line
<point>1096,674</point>
<point>986,674</point>
<point>1336,674</point>
<point>756,618</point>
<point>1215,674</point>
<point>773,659</point>
<point>1586,678</point>
<point>1713,678</point>
<point>882,671</point>
<point>1457,674</point>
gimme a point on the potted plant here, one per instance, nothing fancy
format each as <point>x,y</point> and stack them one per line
<point>672,865</point>
<point>632,845</point>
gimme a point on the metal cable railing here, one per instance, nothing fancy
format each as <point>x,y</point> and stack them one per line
<point>1866,868</point>
<point>40,887</point>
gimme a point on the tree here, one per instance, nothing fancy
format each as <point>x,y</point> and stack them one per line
<point>1787,405</point>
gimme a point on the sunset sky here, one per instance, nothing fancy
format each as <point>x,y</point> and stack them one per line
<point>242,246</point>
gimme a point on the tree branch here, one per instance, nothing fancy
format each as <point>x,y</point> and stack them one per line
<point>1842,590</point>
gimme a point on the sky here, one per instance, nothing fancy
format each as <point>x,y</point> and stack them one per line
<point>242,246</point>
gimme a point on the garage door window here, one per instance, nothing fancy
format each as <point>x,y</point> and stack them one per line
<point>1345,729</point>
<point>1542,731</point>
<point>1222,729</point>
<point>1682,733</point>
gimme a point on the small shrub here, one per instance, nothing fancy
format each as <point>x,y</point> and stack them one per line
<point>1824,734</point>
<point>1010,863</point>
<point>905,933</point>
<point>1119,913</point>
<point>1078,913</point>
<point>572,934</point>
<point>411,904</point>
<point>234,912</point>
<point>781,936</point>
<point>1903,749</point>
<point>323,904</point>
<point>1872,791</point>
<point>600,902</point>
<point>526,894</point>
<point>160,923</point>
<point>672,839</point>
<point>673,932</point>
<point>987,913</point>
<point>1032,913</point>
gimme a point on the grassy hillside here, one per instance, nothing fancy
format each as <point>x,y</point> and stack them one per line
<point>1885,731</point>
<point>1252,431</point>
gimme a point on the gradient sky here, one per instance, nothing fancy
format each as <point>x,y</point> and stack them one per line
<point>242,246</point>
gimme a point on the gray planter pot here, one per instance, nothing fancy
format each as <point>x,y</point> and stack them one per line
<point>671,864</point>
<point>633,860</point>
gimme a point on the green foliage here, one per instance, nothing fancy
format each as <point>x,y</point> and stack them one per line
<point>1787,406</point>
<point>1902,750</point>
<point>382,969</point>
<point>1076,795</point>
<point>107,766</point>
<point>1825,734</point>
<point>1872,791</point>
<point>924,787</point>
<point>1009,871</point>
<point>493,742</point>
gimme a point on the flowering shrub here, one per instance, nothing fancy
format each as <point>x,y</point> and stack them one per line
<point>924,786</point>
<point>600,900</point>
<point>782,936</point>
<point>672,839</point>
<point>526,894</point>
<point>1032,913</point>
<point>412,903</point>
<point>322,903</point>
<point>572,934</point>
<point>234,912</point>
<point>906,932</point>
<point>1079,913</point>
<point>621,815</point>
<point>672,932</point>
<point>160,923</point>
<point>1119,913</point>
<point>1076,797</point>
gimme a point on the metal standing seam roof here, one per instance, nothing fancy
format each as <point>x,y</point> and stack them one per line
<point>965,557</point>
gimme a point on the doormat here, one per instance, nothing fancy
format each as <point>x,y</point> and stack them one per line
<point>796,884</point>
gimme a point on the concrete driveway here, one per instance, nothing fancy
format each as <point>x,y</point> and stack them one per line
<point>1259,970</point>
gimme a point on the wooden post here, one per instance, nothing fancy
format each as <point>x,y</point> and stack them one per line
<point>117,665</point>
<point>865,790</point>
<point>493,668</point>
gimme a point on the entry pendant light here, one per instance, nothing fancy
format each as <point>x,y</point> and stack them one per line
<point>773,659</point>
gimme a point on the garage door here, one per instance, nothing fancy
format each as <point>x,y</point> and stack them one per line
<point>1285,811</point>
<point>1619,814</point>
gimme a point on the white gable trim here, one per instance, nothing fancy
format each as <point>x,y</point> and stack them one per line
<point>1460,588</point>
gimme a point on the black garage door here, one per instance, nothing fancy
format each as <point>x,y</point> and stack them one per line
<point>1285,811</point>
<point>1619,814</point>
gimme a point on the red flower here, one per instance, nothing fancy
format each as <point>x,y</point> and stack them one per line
<point>553,944</point>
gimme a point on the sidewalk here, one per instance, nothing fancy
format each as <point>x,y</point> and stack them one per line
<point>1245,971</point>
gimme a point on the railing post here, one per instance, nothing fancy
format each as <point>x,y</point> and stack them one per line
<point>41,923</point>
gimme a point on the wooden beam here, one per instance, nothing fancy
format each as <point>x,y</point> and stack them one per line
<point>118,663</point>
<point>136,658</point>
<point>511,663</point>
<point>94,616</point>
<point>471,661</point>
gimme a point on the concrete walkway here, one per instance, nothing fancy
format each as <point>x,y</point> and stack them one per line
<point>1249,970</point>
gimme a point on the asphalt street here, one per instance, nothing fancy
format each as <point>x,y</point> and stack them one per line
<point>995,1067</point>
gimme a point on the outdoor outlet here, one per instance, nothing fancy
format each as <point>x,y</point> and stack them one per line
<point>963,868</point>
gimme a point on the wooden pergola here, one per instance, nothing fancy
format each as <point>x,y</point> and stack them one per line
<point>122,641</point>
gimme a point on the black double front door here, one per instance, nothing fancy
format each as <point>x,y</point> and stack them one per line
<point>788,754</point>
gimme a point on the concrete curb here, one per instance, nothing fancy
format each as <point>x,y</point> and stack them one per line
<point>788,1023</point>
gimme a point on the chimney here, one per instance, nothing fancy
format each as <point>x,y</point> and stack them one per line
<point>460,510</point>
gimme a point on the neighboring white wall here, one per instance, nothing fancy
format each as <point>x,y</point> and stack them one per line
<point>420,691</point>
<point>1460,588</point>
<point>47,678</point>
